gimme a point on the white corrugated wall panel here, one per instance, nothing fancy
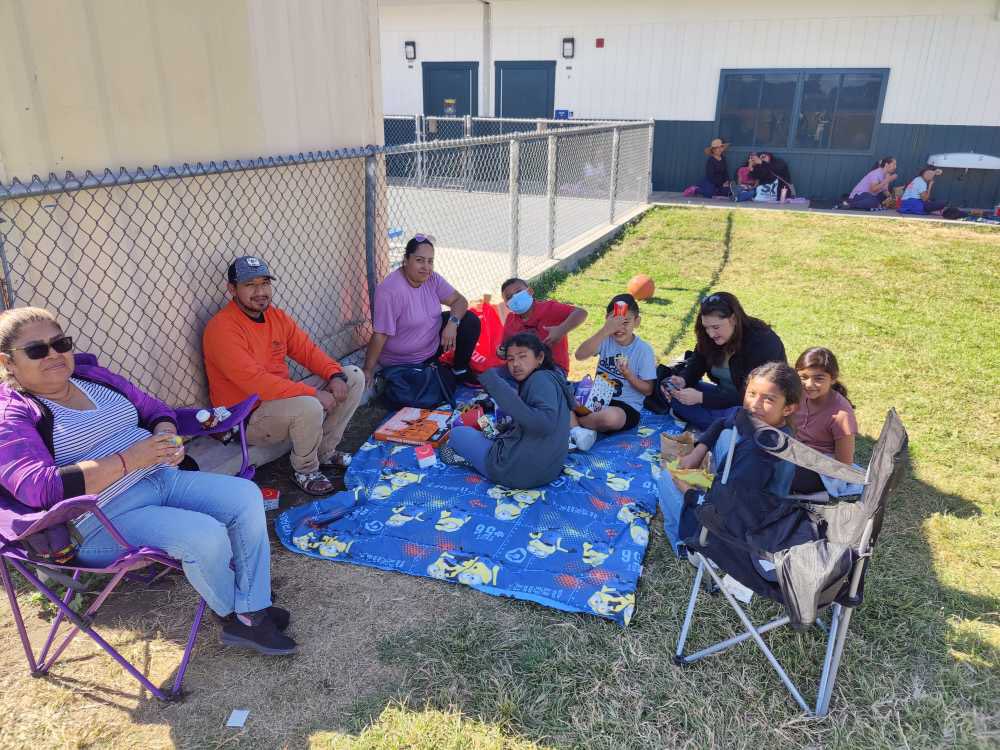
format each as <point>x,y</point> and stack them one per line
<point>662,59</point>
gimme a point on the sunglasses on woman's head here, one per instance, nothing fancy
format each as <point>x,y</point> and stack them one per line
<point>715,302</point>
<point>40,349</point>
<point>421,238</point>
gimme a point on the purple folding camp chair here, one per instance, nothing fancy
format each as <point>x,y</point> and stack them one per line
<point>19,522</point>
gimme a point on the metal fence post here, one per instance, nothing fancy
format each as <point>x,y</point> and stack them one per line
<point>649,163</point>
<point>7,299</point>
<point>370,214</point>
<point>418,129</point>
<point>513,188</point>
<point>615,147</point>
<point>550,193</point>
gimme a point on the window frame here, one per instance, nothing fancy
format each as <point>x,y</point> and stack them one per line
<point>788,148</point>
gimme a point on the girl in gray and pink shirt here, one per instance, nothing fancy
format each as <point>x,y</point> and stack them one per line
<point>825,418</point>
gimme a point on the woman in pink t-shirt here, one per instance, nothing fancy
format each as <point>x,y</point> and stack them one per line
<point>409,327</point>
<point>825,418</point>
<point>873,189</point>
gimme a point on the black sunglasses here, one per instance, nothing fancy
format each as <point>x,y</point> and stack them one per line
<point>40,349</point>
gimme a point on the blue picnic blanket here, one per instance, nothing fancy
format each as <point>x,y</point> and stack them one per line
<point>576,544</point>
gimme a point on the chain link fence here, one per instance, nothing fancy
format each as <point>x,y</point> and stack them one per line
<point>134,262</point>
<point>503,205</point>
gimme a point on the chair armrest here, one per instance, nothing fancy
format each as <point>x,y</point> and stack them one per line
<point>189,426</point>
<point>15,527</point>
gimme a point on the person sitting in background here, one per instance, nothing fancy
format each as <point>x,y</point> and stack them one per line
<point>873,188</point>
<point>716,180</point>
<point>71,428</point>
<point>746,184</point>
<point>743,177</point>
<point>245,345</point>
<point>917,196</point>
<point>779,167</point>
<point>548,319</point>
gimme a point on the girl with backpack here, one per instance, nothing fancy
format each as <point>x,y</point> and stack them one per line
<point>743,470</point>
<point>772,396</point>
<point>531,451</point>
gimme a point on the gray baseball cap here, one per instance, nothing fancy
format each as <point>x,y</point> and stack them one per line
<point>247,267</point>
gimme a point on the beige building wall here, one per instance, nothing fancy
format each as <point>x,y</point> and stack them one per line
<point>90,84</point>
<point>134,271</point>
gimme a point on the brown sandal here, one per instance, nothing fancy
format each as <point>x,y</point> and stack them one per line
<point>314,483</point>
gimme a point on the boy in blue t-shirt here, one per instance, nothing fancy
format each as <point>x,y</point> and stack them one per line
<point>627,362</point>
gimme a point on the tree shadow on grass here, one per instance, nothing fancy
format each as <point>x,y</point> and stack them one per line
<point>688,319</point>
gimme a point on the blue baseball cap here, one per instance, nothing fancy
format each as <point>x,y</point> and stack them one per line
<point>247,267</point>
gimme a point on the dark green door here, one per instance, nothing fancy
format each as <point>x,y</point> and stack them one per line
<point>451,89</point>
<point>525,89</point>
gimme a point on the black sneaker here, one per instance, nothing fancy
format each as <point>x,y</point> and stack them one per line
<point>262,635</point>
<point>280,617</point>
<point>451,457</point>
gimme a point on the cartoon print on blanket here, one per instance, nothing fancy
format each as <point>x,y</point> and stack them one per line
<point>576,544</point>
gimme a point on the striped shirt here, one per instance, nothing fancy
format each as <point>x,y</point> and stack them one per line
<point>110,427</point>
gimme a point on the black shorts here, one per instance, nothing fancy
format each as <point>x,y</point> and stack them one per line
<point>631,415</point>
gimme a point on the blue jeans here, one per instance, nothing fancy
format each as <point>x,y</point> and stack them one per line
<point>472,445</point>
<point>700,416</point>
<point>212,523</point>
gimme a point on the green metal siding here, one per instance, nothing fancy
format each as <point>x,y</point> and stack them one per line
<point>679,159</point>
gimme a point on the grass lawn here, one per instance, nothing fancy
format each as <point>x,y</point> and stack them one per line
<point>911,310</point>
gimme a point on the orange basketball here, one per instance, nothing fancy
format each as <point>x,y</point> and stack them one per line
<point>641,287</point>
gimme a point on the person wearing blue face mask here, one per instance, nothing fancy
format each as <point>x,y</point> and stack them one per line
<point>551,321</point>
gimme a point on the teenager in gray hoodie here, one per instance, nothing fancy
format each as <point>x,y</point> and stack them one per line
<point>532,450</point>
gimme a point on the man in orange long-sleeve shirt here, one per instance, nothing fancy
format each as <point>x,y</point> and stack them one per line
<point>245,345</point>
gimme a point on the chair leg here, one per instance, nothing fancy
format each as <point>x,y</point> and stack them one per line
<point>54,629</point>
<point>840,620</point>
<point>755,634</point>
<point>679,654</point>
<point>91,611</point>
<point>198,614</point>
<point>81,624</point>
<point>8,585</point>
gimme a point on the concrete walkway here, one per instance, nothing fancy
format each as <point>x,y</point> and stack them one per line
<point>663,198</point>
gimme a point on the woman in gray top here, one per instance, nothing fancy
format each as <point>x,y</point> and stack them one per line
<point>532,450</point>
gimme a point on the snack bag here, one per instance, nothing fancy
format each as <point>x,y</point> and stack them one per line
<point>699,477</point>
<point>673,447</point>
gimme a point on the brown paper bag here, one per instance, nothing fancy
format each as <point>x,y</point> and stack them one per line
<point>675,446</point>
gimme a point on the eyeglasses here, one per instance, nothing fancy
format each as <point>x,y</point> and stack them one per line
<point>40,349</point>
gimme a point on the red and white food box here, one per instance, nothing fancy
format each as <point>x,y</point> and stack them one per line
<point>271,497</point>
<point>426,457</point>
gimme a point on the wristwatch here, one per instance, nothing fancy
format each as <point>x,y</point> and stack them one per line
<point>453,319</point>
<point>339,376</point>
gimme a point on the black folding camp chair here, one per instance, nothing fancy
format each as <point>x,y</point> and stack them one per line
<point>851,530</point>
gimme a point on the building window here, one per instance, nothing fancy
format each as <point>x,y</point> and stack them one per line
<point>834,110</point>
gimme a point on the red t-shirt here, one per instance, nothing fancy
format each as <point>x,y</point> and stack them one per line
<point>544,315</point>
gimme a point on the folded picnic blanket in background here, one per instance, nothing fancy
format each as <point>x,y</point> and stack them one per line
<point>576,544</point>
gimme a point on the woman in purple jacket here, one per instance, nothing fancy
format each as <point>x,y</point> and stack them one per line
<point>69,429</point>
